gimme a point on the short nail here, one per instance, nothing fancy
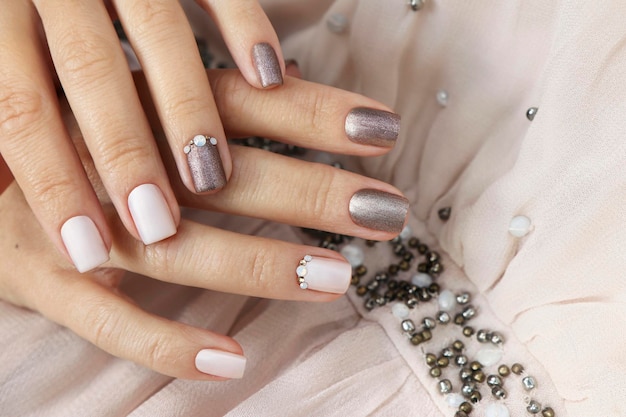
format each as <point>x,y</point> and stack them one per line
<point>205,164</point>
<point>372,127</point>
<point>84,243</point>
<point>220,363</point>
<point>151,213</point>
<point>379,210</point>
<point>267,65</point>
<point>324,274</point>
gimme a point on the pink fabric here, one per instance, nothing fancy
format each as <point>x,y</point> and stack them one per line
<point>558,294</point>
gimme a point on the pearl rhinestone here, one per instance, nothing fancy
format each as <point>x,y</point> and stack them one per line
<point>199,140</point>
<point>454,400</point>
<point>301,271</point>
<point>519,226</point>
<point>488,356</point>
<point>421,280</point>
<point>442,98</point>
<point>353,254</point>
<point>400,310</point>
<point>213,141</point>
<point>308,258</point>
<point>187,149</point>
<point>497,410</point>
<point>446,300</point>
<point>337,23</point>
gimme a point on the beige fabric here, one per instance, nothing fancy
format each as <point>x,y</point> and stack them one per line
<point>558,294</point>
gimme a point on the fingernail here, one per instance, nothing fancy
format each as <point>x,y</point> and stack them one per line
<point>205,164</point>
<point>220,363</point>
<point>323,274</point>
<point>84,243</point>
<point>151,213</point>
<point>266,64</point>
<point>367,126</point>
<point>379,210</point>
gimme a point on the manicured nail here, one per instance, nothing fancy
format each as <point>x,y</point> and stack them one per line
<point>372,127</point>
<point>323,274</point>
<point>266,64</point>
<point>379,210</point>
<point>220,363</point>
<point>84,243</point>
<point>151,213</point>
<point>205,164</point>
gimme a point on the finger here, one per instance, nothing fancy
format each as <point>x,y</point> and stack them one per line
<point>305,194</point>
<point>94,73</point>
<point>36,146</point>
<point>164,43</point>
<point>250,38</point>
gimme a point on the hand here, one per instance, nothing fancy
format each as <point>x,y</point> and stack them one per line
<point>92,69</point>
<point>262,184</point>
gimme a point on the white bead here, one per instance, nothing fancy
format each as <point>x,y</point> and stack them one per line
<point>520,226</point>
<point>421,280</point>
<point>454,400</point>
<point>337,23</point>
<point>406,232</point>
<point>213,141</point>
<point>199,140</point>
<point>442,98</point>
<point>400,310</point>
<point>497,410</point>
<point>308,258</point>
<point>488,356</point>
<point>353,254</point>
<point>187,149</point>
<point>301,271</point>
<point>446,300</point>
<point>304,285</point>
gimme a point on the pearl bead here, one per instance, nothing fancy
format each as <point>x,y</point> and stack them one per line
<point>337,23</point>
<point>488,356</point>
<point>353,254</point>
<point>421,280</point>
<point>406,232</point>
<point>519,226</point>
<point>497,410</point>
<point>400,310</point>
<point>442,98</point>
<point>454,400</point>
<point>447,300</point>
<point>199,140</point>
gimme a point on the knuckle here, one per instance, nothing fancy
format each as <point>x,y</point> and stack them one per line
<point>20,108</point>
<point>261,274</point>
<point>101,323</point>
<point>151,17</point>
<point>85,59</point>
<point>124,153</point>
<point>50,187</point>
<point>317,205</point>
<point>318,111</point>
<point>190,105</point>
<point>158,353</point>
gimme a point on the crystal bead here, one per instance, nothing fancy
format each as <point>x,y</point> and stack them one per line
<point>531,113</point>
<point>304,285</point>
<point>454,400</point>
<point>442,98</point>
<point>445,386</point>
<point>529,383</point>
<point>519,226</point>
<point>308,258</point>
<point>421,280</point>
<point>301,271</point>
<point>213,141</point>
<point>463,298</point>
<point>353,254</point>
<point>533,407</point>
<point>400,310</point>
<point>337,23</point>
<point>199,140</point>
<point>489,356</point>
<point>443,317</point>
<point>187,149</point>
<point>497,410</point>
<point>408,326</point>
<point>446,300</point>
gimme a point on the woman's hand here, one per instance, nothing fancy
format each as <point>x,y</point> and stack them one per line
<point>262,185</point>
<point>76,40</point>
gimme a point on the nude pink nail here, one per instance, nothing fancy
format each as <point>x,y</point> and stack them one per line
<point>220,363</point>
<point>84,243</point>
<point>151,213</point>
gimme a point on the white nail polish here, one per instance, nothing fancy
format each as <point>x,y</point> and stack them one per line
<point>84,243</point>
<point>151,213</point>
<point>220,363</point>
<point>323,274</point>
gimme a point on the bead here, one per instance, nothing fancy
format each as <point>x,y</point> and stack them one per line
<point>497,338</point>
<point>373,284</point>
<point>458,346</point>
<point>429,323</point>
<point>370,304</point>
<point>447,352</point>
<point>361,270</point>
<point>400,310</point>
<point>304,285</point>
<point>445,386</point>
<point>442,98</point>
<point>469,312</point>
<point>463,298</point>
<point>371,243</point>
<point>408,326</point>
<point>548,412</point>
<point>494,381</point>
<point>468,388</point>
<point>427,335</point>
<point>519,226</point>
<point>476,366</point>
<point>187,149</point>
<point>531,113</point>
<point>431,359</point>
<point>213,141</point>
<point>444,213</point>
<point>529,383</point>
<point>423,267</point>
<point>498,392</point>
<point>533,407</point>
<point>459,319</point>
<point>435,269</point>
<point>414,242</point>
<point>433,288</point>
<point>355,280</point>
<point>406,232</point>
<point>411,302</point>
<point>446,300</point>
<point>423,294</point>
<point>361,290</point>
<point>422,248</point>
<point>301,271</point>
<point>461,360</point>
<point>337,23</point>
<point>381,277</point>
<point>454,400</point>
<point>482,335</point>
<point>489,355</point>
<point>465,374</point>
<point>468,331</point>
<point>381,301</point>
<point>435,372</point>
<point>517,369</point>
<point>408,256</point>
<point>404,265</point>
<point>479,376</point>
<point>417,338</point>
<point>422,280</point>
<point>497,410</point>
<point>504,370</point>
<point>432,256</point>
<point>443,317</point>
<point>399,249</point>
<point>475,397</point>
<point>353,254</point>
<point>466,407</point>
<point>443,362</point>
<point>461,414</point>
<point>199,140</point>
<point>416,4</point>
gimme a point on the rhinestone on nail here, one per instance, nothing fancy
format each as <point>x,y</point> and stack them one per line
<point>302,271</point>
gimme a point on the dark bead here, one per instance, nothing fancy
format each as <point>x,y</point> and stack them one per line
<point>479,376</point>
<point>370,304</point>
<point>355,280</point>
<point>361,270</point>
<point>373,284</point>
<point>408,325</point>
<point>361,290</point>
<point>422,248</point>
<point>414,242</point>
<point>434,288</point>
<point>370,243</point>
<point>402,294</point>
<point>429,323</point>
<point>497,338</point>
<point>399,249</point>
<point>423,294</point>
<point>494,381</point>
<point>381,277</point>
<point>423,267</point>
<point>517,369</point>
<point>408,256</point>
<point>411,302</point>
<point>381,301</point>
<point>427,335</point>
<point>445,386</point>
<point>396,240</point>
<point>533,407</point>
<point>475,366</point>
<point>504,370</point>
<point>475,397</point>
<point>332,246</point>
<point>447,352</point>
<point>435,269</point>
<point>417,338</point>
<point>461,360</point>
<point>468,331</point>
<point>404,265</point>
<point>469,312</point>
<point>465,374</point>
<point>461,414</point>
<point>463,298</point>
<point>443,362</point>
<point>498,392</point>
<point>393,269</point>
<point>338,239</point>
<point>431,359</point>
<point>412,290</point>
<point>458,346</point>
<point>432,257</point>
<point>459,319</point>
<point>531,113</point>
<point>482,335</point>
<point>444,213</point>
<point>392,284</point>
<point>466,407</point>
<point>443,317</point>
<point>467,389</point>
<point>548,412</point>
<point>435,372</point>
